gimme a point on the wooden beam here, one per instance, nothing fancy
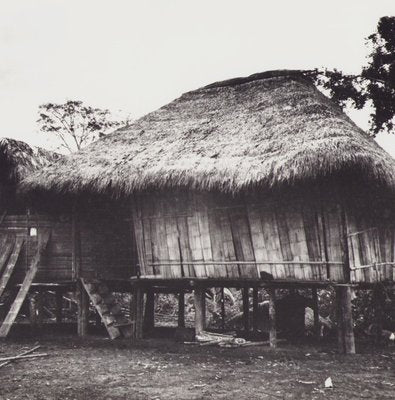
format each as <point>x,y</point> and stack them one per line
<point>272,318</point>
<point>246,309</point>
<point>255,310</point>
<point>346,341</point>
<point>137,312</point>
<point>181,310</point>
<point>316,312</point>
<point>32,298</point>
<point>27,281</point>
<point>149,315</point>
<point>83,310</point>
<point>200,310</point>
<point>223,309</point>
<point>59,305</point>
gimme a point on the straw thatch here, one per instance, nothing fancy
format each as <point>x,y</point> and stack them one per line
<point>18,159</point>
<point>268,129</point>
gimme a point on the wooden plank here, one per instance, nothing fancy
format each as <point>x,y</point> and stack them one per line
<point>229,241</point>
<point>313,240</point>
<point>185,247</point>
<point>285,246</point>
<point>333,233</point>
<point>149,315</point>
<point>196,245</point>
<point>346,339</point>
<point>298,242</point>
<point>200,310</point>
<point>91,289</point>
<point>272,318</point>
<point>246,309</point>
<point>161,248</point>
<point>7,244</point>
<point>173,247</point>
<point>24,289</point>
<point>255,309</point>
<point>257,239</point>
<point>11,264</point>
<point>272,242</point>
<point>181,310</point>
<point>83,310</point>
<point>216,237</point>
<point>243,242</point>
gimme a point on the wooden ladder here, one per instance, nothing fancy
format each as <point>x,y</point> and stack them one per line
<point>13,258</point>
<point>24,289</point>
<point>7,242</point>
<point>110,312</point>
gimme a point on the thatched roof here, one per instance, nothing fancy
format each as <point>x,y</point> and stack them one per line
<point>18,159</point>
<point>267,129</point>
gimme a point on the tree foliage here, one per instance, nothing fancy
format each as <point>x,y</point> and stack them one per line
<point>75,123</point>
<point>375,85</point>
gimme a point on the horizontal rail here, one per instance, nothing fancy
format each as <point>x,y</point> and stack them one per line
<point>177,262</point>
<point>382,264</point>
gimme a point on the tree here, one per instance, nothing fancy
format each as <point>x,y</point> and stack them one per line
<point>375,85</point>
<point>75,124</point>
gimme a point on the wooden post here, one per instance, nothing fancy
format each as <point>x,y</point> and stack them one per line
<point>272,318</point>
<point>346,341</point>
<point>149,315</point>
<point>40,309</point>
<point>377,300</point>
<point>59,305</point>
<point>200,310</point>
<point>317,328</point>
<point>246,309</point>
<point>223,309</point>
<point>255,306</point>
<point>33,310</point>
<point>137,312</point>
<point>181,310</point>
<point>83,310</point>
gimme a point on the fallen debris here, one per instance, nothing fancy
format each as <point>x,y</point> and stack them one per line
<point>23,357</point>
<point>20,355</point>
<point>225,340</point>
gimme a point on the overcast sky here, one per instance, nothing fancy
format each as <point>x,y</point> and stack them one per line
<point>135,56</point>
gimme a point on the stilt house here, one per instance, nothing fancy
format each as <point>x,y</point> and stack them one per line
<point>252,181</point>
<point>36,242</point>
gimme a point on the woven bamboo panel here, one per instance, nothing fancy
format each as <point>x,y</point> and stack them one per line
<point>217,236</point>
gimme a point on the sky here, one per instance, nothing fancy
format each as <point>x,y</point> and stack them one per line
<point>132,57</point>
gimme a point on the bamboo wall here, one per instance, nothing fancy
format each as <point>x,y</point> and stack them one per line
<point>217,236</point>
<point>372,252</point>
<point>100,239</point>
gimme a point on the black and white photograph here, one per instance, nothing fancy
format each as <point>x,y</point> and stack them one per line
<point>197,200</point>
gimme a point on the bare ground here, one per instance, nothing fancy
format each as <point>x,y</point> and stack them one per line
<point>97,368</point>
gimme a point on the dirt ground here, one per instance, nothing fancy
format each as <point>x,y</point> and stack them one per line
<point>96,368</point>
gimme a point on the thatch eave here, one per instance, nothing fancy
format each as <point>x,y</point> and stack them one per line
<point>262,131</point>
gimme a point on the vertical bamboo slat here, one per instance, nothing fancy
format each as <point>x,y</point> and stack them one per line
<point>257,239</point>
<point>243,243</point>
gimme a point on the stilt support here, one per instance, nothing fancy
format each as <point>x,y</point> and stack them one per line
<point>246,310</point>
<point>346,340</point>
<point>200,310</point>
<point>181,310</point>
<point>317,328</point>
<point>59,306</point>
<point>255,309</point>
<point>138,312</point>
<point>223,309</point>
<point>83,310</point>
<point>272,318</point>
<point>149,316</point>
